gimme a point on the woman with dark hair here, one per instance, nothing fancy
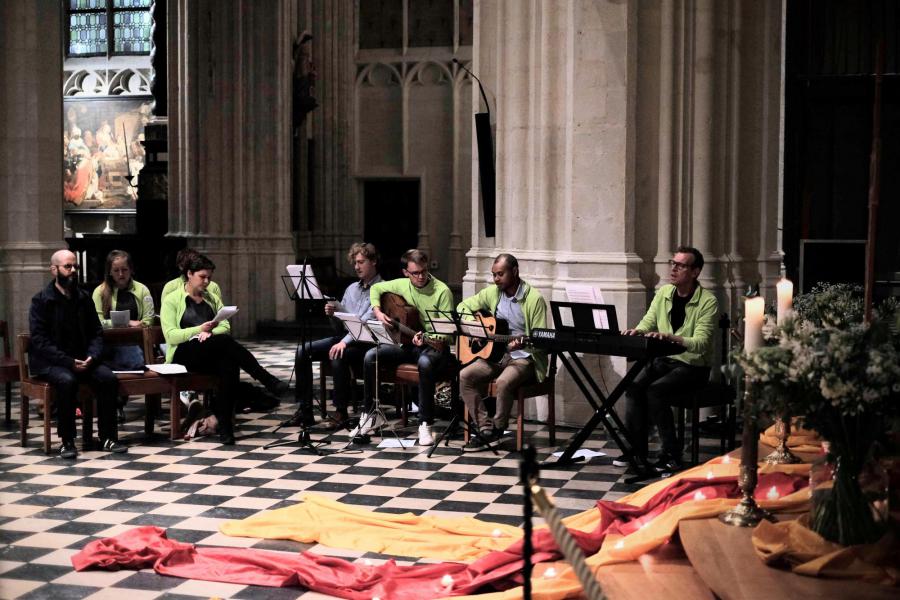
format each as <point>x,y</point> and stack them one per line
<point>201,344</point>
<point>182,260</point>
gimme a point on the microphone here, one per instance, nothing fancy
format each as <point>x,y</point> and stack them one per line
<point>480,87</point>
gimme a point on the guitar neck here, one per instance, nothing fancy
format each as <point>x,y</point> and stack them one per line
<point>412,333</point>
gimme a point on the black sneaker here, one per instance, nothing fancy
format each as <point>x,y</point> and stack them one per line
<point>226,438</point>
<point>668,464</point>
<point>113,446</point>
<point>480,442</point>
<point>68,450</point>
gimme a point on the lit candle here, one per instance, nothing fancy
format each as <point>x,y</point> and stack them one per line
<point>619,545</point>
<point>497,533</point>
<point>773,494</point>
<point>447,581</point>
<point>709,475</point>
<point>699,495</point>
<point>753,321</point>
<point>785,289</point>
<point>726,459</point>
<point>550,573</point>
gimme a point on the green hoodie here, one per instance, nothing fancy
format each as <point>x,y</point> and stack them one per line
<point>435,295</point>
<point>173,308</point>
<point>142,296</point>
<point>698,328</point>
<point>534,309</point>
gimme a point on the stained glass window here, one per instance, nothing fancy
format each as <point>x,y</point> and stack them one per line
<point>93,23</point>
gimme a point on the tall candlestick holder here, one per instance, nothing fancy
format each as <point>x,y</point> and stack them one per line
<point>747,513</point>
<point>782,454</point>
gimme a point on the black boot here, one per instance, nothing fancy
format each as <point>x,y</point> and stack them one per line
<point>273,385</point>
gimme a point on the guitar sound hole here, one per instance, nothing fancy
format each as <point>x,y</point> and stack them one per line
<point>477,346</point>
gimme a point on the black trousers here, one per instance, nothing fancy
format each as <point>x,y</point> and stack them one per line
<point>222,356</point>
<point>647,401</point>
<point>105,386</point>
<point>341,370</point>
<point>431,363</point>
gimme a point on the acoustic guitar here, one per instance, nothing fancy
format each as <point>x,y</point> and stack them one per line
<point>406,320</point>
<point>491,348</point>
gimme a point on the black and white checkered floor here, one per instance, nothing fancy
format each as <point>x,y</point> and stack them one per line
<point>50,507</point>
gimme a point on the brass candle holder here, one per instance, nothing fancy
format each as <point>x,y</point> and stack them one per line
<point>782,454</point>
<point>747,513</point>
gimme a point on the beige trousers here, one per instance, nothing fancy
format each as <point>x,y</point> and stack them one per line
<point>510,375</point>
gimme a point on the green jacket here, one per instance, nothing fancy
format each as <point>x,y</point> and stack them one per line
<point>435,295</point>
<point>698,328</point>
<point>173,307</point>
<point>144,301</point>
<point>534,309</point>
<point>213,288</point>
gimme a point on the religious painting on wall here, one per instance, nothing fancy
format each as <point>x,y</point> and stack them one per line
<point>102,151</point>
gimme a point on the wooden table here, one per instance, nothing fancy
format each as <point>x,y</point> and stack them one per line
<point>665,573</point>
<point>724,559</point>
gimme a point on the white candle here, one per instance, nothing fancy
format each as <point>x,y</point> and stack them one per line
<point>785,289</point>
<point>699,495</point>
<point>772,494</point>
<point>753,321</point>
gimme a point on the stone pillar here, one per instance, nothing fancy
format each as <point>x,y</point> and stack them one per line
<point>31,185</point>
<point>624,129</point>
<point>230,146</point>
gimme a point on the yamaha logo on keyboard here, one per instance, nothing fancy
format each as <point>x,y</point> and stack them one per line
<point>548,334</point>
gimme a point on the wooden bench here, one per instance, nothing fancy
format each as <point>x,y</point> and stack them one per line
<point>149,384</point>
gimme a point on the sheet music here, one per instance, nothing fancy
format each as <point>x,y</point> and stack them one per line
<point>296,271</point>
<point>356,327</point>
<point>565,315</point>
<point>584,294</point>
<point>382,335</point>
<point>442,322</point>
<point>168,369</point>
<point>474,329</point>
<point>119,318</point>
<point>601,321</point>
<point>226,312</point>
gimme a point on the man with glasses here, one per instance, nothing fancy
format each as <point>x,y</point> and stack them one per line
<point>430,352</point>
<point>685,313</point>
<point>66,344</point>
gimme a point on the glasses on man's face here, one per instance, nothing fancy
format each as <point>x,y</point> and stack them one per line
<point>674,264</point>
<point>68,267</point>
<point>421,273</point>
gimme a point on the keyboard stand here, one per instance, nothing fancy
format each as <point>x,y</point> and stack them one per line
<point>605,414</point>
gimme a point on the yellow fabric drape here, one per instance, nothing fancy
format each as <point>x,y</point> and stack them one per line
<point>808,553</point>
<point>318,519</point>
<point>800,440</point>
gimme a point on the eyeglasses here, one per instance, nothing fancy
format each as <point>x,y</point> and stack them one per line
<point>67,267</point>
<point>679,265</point>
<point>422,273</point>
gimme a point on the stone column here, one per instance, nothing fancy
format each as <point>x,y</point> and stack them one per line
<point>624,129</point>
<point>231,147</point>
<point>31,184</point>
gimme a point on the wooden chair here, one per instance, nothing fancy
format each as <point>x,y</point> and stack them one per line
<point>177,383</point>
<point>545,388</point>
<point>405,375</point>
<point>9,369</point>
<point>714,393</point>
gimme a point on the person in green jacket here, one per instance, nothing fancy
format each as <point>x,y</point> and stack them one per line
<point>523,308</point>
<point>202,344</point>
<point>184,257</point>
<point>120,291</point>
<point>429,351</point>
<point>685,313</point>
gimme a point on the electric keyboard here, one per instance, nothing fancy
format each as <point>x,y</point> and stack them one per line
<point>634,347</point>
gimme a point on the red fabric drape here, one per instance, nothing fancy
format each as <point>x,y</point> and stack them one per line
<point>146,547</point>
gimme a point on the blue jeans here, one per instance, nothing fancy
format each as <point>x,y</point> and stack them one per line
<point>432,364</point>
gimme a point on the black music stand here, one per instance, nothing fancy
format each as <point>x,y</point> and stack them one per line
<point>599,319</point>
<point>449,323</point>
<point>372,332</point>
<point>301,287</point>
